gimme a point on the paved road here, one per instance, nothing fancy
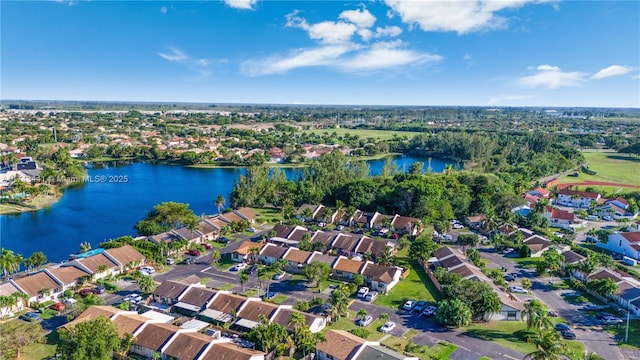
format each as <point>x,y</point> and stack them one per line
<point>586,327</point>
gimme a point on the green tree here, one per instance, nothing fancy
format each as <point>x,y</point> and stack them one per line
<point>453,313</point>
<point>422,248</point>
<point>92,339</point>
<point>37,259</point>
<point>468,240</point>
<point>548,345</point>
<point>166,216</point>
<point>16,335</point>
<point>9,261</point>
<point>215,257</point>
<point>316,272</point>
<point>220,203</point>
<point>526,283</point>
<point>243,280</point>
<point>306,341</point>
<point>147,284</point>
<point>267,335</point>
<point>603,287</point>
<point>384,317</point>
<point>362,313</point>
<point>339,301</point>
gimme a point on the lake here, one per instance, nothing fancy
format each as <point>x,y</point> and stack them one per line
<point>99,211</point>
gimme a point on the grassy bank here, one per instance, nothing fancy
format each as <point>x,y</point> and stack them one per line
<point>37,203</point>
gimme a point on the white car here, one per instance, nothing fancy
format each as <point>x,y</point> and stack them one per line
<point>518,290</point>
<point>239,267</point>
<point>363,292</point>
<point>409,305</point>
<point>69,301</point>
<point>388,326</point>
<point>144,273</point>
<point>611,320</point>
<point>133,296</point>
<point>458,226</point>
<point>371,296</point>
<point>148,269</point>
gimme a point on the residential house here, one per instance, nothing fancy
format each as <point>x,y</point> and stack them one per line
<point>192,236</point>
<point>40,286</point>
<point>284,314</point>
<point>374,248</point>
<point>539,193</point>
<point>126,257</point>
<point>339,345</point>
<point>195,299</point>
<point>372,351</point>
<point>476,221</point>
<point>346,268</point>
<point>169,292</point>
<point>327,259</point>
<point>246,214</point>
<point>361,219</point>
<point>326,238</point>
<point>152,338</point>
<point>296,259</point>
<point>314,209</point>
<point>579,199</point>
<point>95,262</point>
<point>629,292</point>
<point>129,323</point>
<point>571,258</point>
<point>247,251</point>
<point>624,243</point>
<point>559,218</point>
<point>9,289</point>
<point>405,225</point>
<point>224,307</point>
<point>227,350</point>
<point>346,244</point>
<point>617,208</point>
<point>165,237</point>
<point>231,217</point>
<point>271,253</point>
<point>605,274</point>
<point>208,230</point>
<point>379,221</point>
<point>252,311</point>
<point>186,345</point>
<point>381,278</point>
<point>537,245</point>
<point>68,276</point>
<point>326,215</point>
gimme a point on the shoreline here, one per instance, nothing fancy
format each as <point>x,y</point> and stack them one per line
<point>41,202</point>
<point>291,165</point>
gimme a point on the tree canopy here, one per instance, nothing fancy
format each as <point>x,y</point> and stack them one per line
<point>166,216</point>
<point>89,340</point>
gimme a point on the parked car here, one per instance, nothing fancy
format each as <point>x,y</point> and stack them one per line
<point>69,301</point>
<point>562,327</point>
<point>85,292</point>
<point>59,306</point>
<point>388,326</point>
<point>148,269</point>
<point>371,296</point>
<point>552,314</point>
<point>363,292</point>
<point>252,269</point>
<point>607,218</point>
<point>611,320</point>
<point>132,296</point>
<point>30,317</point>
<point>144,273</point>
<point>252,229</point>
<point>207,246</point>
<point>569,335</point>
<point>409,305</point>
<point>603,314</point>
<point>510,277</point>
<point>193,252</point>
<point>429,310</point>
<point>518,290</point>
<point>420,306</point>
<point>223,240</point>
<point>99,290</point>
<point>458,226</point>
<point>170,261</point>
<point>592,307</point>
<point>366,321</point>
<point>279,276</point>
<point>239,267</point>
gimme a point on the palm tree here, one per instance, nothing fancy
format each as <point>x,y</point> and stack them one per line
<point>220,203</point>
<point>386,258</point>
<point>307,214</point>
<point>384,317</point>
<point>146,284</point>
<point>340,211</point>
<point>85,246</point>
<point>101,270</point>
<point>548,345</point>
<point>215,257</point>
<point>243,279</point>
<point>362,313</point>
<point>9,262</point>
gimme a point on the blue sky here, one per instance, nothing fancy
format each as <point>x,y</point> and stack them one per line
<point>387,52</point>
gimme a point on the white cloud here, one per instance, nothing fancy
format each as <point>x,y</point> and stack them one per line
<point>636,77</point>
<point>613,70</point>
<point>337,48</point>
<point>507,98</point>
<point>176,55</point>
<point>552,77</point>
<point>361,18</point>
<point>241,4</point>
<point>163,10</point>
<point>460,16</point>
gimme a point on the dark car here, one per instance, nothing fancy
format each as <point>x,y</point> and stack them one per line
<point>85,292</point>
<point>603,314</point>
<point>30,317</point>
<point>207,246</point>
<point>509,277</point>
<point>98,290</point>
<point>252,269</point>
<point>569,335</point>
<point>562,327</point>
<point>223,240</point>
<point>193,252</point>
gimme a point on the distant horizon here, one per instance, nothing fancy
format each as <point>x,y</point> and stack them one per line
<point>525,53</point>
<point>133,102</point>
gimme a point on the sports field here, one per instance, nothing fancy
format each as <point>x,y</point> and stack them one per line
<point>365,133</point>
<point>610,167</point>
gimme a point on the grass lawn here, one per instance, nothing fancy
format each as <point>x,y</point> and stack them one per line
<point>634,332</point>
<point>416,286</point>
<point>507,334</point>
<point>578,298</point>
<point>348,324</point>
<point>227,287</point>
<point>225,262</point>
<point>441,350</point>
<point>527,263</point>
<point>268,215</point>
<point>279,299</point>
<point>609,166</point>
<point>44,350</point>
<point>365,133</point>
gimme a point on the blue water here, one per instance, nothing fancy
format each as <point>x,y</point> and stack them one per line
<point>98,211</point>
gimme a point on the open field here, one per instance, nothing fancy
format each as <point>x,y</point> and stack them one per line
<point>365,133</point>
<point>41,351</point>
<point>416,286</point>
<point>609,167</point>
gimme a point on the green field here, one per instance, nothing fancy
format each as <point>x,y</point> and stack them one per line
<point>610,167</point>
<point>365,133</point>
<point>416,286</point>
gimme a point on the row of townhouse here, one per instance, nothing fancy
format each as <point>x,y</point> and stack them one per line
<point>189,297</point>
<point>342,345</point>
<point>346,244</point>
<point>629,295</point>
<point>361,219</point>
<point>455,262</point>
<point>207,229</point>
<point>154,338</point>
<point>381,278</point>
<point>49,283</point>
<point>616,208</point>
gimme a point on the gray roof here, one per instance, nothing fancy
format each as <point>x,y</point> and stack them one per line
<point>379,353</point>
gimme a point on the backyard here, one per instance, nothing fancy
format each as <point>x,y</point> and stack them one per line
<point>416,286</point>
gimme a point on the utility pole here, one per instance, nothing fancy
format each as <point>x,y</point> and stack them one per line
<point>626,333</point>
